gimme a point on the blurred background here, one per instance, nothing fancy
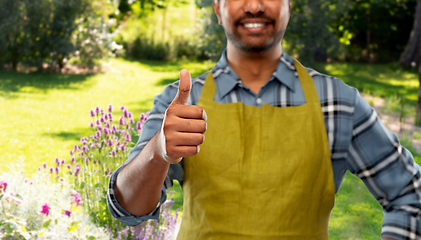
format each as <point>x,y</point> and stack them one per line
<point>61,59</point>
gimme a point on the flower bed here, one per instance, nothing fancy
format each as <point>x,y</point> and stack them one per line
<point>69,198</point>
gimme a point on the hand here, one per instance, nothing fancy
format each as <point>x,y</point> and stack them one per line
<point>183,126</point>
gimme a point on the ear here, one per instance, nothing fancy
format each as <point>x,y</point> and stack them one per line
<point>290,4</point>
<point>216,9</point>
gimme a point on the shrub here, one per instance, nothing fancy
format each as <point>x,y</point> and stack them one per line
<point>52,31</point>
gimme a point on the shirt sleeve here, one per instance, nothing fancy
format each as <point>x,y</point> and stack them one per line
<point>149,130</point>
<point>389,172</point>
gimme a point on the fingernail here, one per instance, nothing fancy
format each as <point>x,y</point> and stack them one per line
<point>204,115</point>
<point>198,149</point>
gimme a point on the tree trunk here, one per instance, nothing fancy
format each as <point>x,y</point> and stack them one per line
<point>411,53</point>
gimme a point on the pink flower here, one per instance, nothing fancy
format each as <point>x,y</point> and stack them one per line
<point>67,213</point>
<point>76,199</point>
<point>97,109</point>
<point>139,126</point>
<point>51,169</point>
<point>71,152</point>
<point>44,165</point>
<point>92,113</point>
<point>102,112</point>
<point>122,107</point>
<point>3,186</point>
<point>45,209</point>
<point>91,124</point>
<point>110,108</point>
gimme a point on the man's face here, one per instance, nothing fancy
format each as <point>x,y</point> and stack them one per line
<point>253,25</point>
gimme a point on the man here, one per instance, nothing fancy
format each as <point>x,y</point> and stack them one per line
<point>274,133</point>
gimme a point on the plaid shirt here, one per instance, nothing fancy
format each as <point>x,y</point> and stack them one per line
<point>358,141</point>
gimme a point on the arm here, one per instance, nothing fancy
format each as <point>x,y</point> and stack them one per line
<point>389,172</point>
<point>138,184</point>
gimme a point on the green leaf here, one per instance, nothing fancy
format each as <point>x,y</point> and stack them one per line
<point>46,224</point>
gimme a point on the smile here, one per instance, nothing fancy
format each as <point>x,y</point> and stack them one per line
<point>254,25</point>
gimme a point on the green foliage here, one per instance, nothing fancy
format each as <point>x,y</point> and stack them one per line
<point>52,31</point>
<point>375,30</point>
<point>144,48</point>
<point>332,29</point>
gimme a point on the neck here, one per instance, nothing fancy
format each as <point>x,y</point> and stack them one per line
<point>253,68</point>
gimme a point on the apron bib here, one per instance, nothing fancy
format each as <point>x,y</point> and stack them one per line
<point>262,172</point>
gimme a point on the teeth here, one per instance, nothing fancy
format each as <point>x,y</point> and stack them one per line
<point>253,25</point>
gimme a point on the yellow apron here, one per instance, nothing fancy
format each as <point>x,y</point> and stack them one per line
<point>262,172</point>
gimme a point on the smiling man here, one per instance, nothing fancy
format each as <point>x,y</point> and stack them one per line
<point>261,144</point>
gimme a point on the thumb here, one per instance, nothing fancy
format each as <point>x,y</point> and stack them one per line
<point>184,88</point>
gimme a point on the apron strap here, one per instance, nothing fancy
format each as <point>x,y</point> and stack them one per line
<point>306,80</point>
<point>307,84</point>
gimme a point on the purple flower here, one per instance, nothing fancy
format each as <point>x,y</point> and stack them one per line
<point>121,121</point>
<point>110,108</point>
<point>85,148</point>
<point>76,171</point>
<point>125,113</point>
<point>57,161</point>
<point>106,116</point>
<point>61,180</point>
<point>118,143</point>
<point>57,170</point>
<point>107,125</point>
<point>114,128</point>
<point>131,120</point>
<point>105,131</point>
<point>92,113</point>
<point>99,128</point>
<point>110,142</point>
<point>127,127</point>
<point>68,166</point>
<point>78,165</point>
<point>113,153</point>
<point>91,124</point>
<point>76,199</point>
<point>73,160</point>
<point>123,148</point>
<point>51,169</point>
<point>45,209</point>
<point>128,137</point>
<point>97,109</point>
<point>94,137</point>
<point>44,165</point>
<point>139,126</point>
<point>62,161</point>
<point>76,148</point>
<point>67,213</point>
<point>97,122</point>
<point>98,134</point>
<point>39,169</point>
<point>94,161</point>
<point>122,107</point>
<point>102,112</point>
<point>102,119</point>
<point>3,186</point>
<point>71,152</point>
<point>110,116</point>
<point>142,117</point>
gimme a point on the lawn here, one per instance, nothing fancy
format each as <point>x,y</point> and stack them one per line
<point>44,115</point>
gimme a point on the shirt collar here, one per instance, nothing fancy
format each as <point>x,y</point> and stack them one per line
<point>226,79</point>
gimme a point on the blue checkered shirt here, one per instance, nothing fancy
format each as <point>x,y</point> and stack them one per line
<point>358,141</point>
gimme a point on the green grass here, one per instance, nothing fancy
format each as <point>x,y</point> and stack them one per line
<point>44,115</point>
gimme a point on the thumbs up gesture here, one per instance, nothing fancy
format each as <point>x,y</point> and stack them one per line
<point>183,126</point>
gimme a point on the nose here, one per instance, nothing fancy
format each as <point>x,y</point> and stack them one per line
<point>254,6</point>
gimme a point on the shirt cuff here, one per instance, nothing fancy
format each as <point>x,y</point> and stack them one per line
<point>121,214</point>
<point>401,226</point>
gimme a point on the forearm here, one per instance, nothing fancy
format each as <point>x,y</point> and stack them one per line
<point>139,184</point>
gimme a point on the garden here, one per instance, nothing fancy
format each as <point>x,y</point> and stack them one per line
<point>66,128</point>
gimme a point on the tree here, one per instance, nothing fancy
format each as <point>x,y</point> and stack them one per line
<point>412,51</point>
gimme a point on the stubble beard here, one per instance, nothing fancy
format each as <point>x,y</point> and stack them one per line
<point>238,42</point>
